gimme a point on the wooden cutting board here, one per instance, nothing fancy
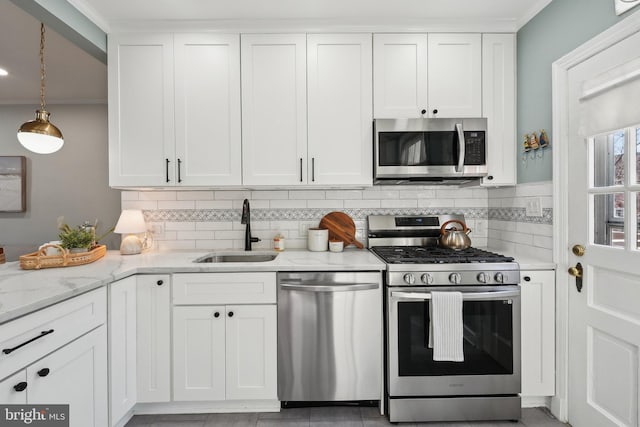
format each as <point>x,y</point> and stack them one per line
<point>341,227</point>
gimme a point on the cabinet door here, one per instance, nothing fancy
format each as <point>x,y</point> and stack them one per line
<point>76,375</point>
<point>199,353</point>
<point>8,394</point>
<point>274,109</point>
<point>538,333</point>
<point>339,109</point>
<point>141,122</point>
<point>399,75</point>
<point>207,109</point>
<point>153,319</point>
<point>251,352</point>
<point>122,346</point>
<point>455,75</point>
<point>499,107</point>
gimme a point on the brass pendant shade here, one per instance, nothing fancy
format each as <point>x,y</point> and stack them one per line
<point>40,135</point>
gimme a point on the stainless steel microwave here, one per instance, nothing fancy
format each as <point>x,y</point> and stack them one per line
<point>418,150</point>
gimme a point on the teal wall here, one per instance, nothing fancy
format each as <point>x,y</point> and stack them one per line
<point>558,29</point>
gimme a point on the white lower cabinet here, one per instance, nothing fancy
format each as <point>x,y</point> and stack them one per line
<point>538,332</point>
<point>122,347</point>
<point>153,336</point>
<point>74,375</point>
<point>226,351</point>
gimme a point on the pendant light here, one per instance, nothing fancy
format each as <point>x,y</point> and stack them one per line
<point>40,135</point>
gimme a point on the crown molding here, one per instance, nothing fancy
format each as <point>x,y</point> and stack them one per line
<point>535,8</point>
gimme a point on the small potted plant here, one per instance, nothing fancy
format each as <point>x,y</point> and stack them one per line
<point>76,239</point>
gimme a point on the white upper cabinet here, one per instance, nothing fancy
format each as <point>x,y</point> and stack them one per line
<point>455,75</point>
<point>399,75</point>
<point>499,107</point>
<point>207,109</point>
<point>274,113</point>
<point>339,109</point>
<point>141,125</point>
<point>169,129</point>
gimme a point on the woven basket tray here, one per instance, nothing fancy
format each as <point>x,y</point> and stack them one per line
<point>39,259</point>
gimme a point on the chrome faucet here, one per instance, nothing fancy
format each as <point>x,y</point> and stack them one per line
<point>246,219</point>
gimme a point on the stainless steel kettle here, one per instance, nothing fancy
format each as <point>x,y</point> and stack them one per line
<point>455,239</point>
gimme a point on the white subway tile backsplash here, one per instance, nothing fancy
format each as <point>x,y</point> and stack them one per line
<point>435,203</point>
<point>400,203</point>
<point>362,204</point>
<point>417,194</point>
<point>288,204</point>
<point>194,195</point>
<point>543,242</point>
<point>380,194</point>
<point>269,195</point>
<point>157,195</point>
<point>129,195</point>
<point>174,204</point>
<point>306,194</point>
<point>179,226</point>
<point>446,192</point>
<point>470,203</point>
<point>255,204</point>
<point>148,205</point>
<point>325,204</point>
<point>229,235</point>
<point>214,204</point>
<point>176,244</point>
<point>232,195</point>
<point>214,225</point>
<point>344,194</point>
<point>196,235</point>
<point>214,244</point>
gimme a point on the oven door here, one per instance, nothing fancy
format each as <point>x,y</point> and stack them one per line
<point>491,319</point>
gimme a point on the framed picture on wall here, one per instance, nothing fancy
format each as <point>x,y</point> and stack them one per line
<point>13,184</point>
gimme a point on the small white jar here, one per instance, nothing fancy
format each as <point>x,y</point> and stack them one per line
<point>336,246</point>
<point>318,239</point>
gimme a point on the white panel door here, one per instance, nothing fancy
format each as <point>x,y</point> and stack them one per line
<point>199,353</point>
<point>75,375</point>
<point>153,319</point>
<point>122,346</point>
<point>274,109</point>
<point>603,199</point>
<point>499,107</point>
<point>399,75</point>
<point>538,333</point>
<point>14,396</point>
<point>455,75</point>
<point>207,109</point>
<point>252,361</point>
<point>339,109</point>
<point>141,122</point>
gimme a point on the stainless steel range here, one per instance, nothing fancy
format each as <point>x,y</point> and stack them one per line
<point>486,383</point>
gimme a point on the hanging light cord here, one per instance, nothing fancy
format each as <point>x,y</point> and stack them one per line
<point>42,68</point>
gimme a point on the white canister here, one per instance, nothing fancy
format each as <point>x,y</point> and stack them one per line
<point>336,245</point>
<point>318,239</point>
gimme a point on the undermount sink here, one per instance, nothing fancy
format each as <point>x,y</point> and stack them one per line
<point>216,257</point>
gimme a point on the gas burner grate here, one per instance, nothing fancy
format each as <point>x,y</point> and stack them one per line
<point>436,255</point>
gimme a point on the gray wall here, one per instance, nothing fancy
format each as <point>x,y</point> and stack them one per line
<point>72,182</point>
<point>558,29</point>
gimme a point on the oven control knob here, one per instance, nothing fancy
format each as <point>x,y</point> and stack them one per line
<point>483,277</point>
<point>499,277</point>
<point>455,278</point>
<point>409,278</point>
<point>426,278</point>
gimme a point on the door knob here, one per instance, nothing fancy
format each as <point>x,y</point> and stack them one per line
<point>577,273</point>
<point>578,250</point>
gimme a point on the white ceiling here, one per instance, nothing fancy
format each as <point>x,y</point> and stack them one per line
<point>74,76</point>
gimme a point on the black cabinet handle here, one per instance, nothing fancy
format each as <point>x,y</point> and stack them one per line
<point>179,164</point>
<point>231,314</point>
<point>42,334</point>
<point>300,169</point>
<point>167,169</point>
<point>216,314</point>
<point>20,386</point>
<point>313,169</point>
<point>435,111</point>
<point>43,372</point>
<point>423,112</point>
<point>159,282</point>
<point>490,177</point>
<point>527,278</point>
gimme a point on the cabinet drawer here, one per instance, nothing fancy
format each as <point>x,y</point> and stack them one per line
<point>224,288</point>
<point>29,338</point>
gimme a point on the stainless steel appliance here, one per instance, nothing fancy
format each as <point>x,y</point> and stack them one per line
<point>418,150</point>
<point>486,384</point>
<point>329,336</point>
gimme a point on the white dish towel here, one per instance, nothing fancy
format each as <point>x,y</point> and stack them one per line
<point>445,326</point>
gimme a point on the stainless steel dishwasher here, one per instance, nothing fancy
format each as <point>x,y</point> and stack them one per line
<point>329,336</point>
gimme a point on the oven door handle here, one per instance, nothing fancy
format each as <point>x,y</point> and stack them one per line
<point>461,148</point>
<point>466,296</point>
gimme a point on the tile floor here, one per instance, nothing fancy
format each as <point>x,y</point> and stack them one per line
<point>336,416</point>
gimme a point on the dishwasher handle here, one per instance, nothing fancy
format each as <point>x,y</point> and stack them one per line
<point>297,286</point>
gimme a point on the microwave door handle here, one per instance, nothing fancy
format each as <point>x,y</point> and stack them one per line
<point>461,148</point>
<point>466,296</point>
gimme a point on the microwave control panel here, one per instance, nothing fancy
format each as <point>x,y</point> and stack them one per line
<point>475,148</point>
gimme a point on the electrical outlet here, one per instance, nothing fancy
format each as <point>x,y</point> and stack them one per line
<point>157,230</point>
<point>303,228</point>
<point>533,207</point>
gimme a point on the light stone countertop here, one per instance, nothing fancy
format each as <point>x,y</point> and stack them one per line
<point>25,291</point>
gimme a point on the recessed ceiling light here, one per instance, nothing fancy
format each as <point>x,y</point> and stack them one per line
<point>3,72</point>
